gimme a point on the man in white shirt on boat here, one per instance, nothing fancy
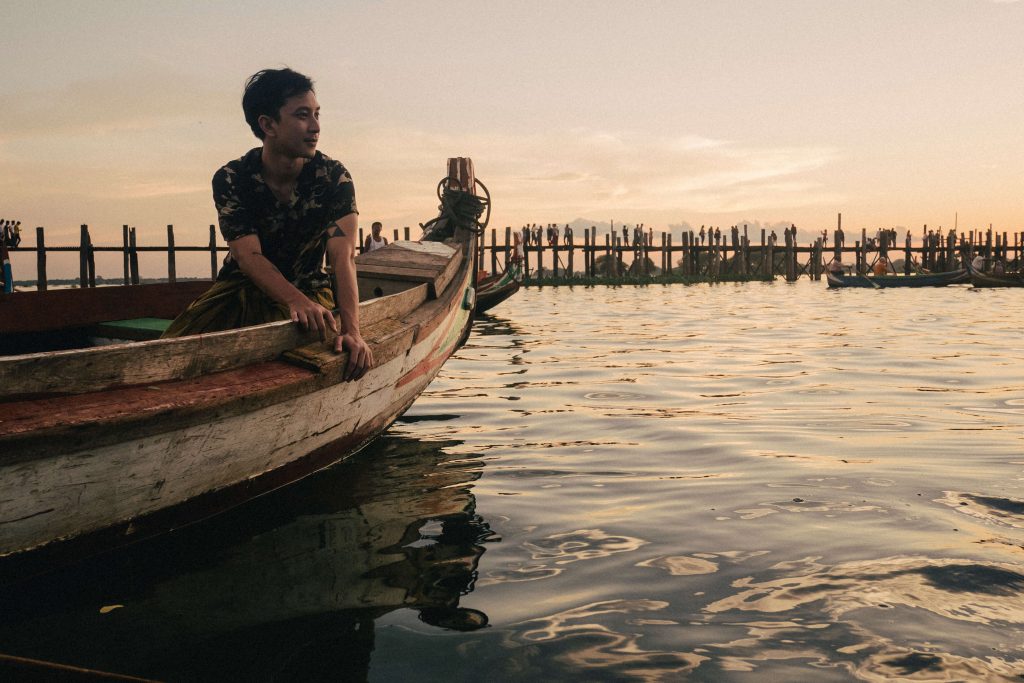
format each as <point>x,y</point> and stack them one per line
<point>375,240</point>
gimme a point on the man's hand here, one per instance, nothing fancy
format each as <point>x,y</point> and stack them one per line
<point>312,316</point>
<point>360,357</point>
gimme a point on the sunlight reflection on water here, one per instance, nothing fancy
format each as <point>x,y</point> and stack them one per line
<point>713,483</point>
<point>867,410</point>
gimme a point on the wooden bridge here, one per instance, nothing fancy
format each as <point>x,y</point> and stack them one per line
<point>685,254</point>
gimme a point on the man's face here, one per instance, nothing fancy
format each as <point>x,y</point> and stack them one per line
<point>297,131</point>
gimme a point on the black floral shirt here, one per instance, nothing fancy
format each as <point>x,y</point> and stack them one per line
<point>291,233</point>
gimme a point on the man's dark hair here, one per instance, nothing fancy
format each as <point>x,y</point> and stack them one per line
<point>266,92</point>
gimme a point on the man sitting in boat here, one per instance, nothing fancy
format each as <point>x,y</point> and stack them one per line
<point>881,266</point>
<point>281,207</point>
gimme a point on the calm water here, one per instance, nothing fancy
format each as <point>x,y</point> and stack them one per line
<point>742,482</point>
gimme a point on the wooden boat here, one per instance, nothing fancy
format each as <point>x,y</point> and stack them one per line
<point>113,442</point>
<point>942,279</point>
<point>980,279</point>
<point>491,291</point>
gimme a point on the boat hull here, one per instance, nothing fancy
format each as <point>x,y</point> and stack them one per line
<point>943,279</point>
<point>987,280</point>
<point>494,290</point>
<point>86,489</point>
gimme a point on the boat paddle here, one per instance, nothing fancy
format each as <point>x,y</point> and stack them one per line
<point>870,281</point>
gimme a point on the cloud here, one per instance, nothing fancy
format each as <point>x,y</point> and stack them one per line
<point>550,176</point>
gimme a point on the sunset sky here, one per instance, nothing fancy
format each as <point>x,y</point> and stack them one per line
<point>893,113</point>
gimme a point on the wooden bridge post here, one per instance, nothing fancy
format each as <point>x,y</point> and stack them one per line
<point>133,256</point>
<point>662,253</point>
<point>213,252</point>
<point>405,232</point>
<point>526,252</point>
<point>124,246</point>
<point>587,265</point>
<point>769,257</point>
<point>540,257</point>
<point>508,244</point>
<point>609,261</point>
<point>40,260</point>
<point>494,250</point>
<point>593,250</point>
<point>907,255</point>
<point>763,266</point>
<point>748,266</point>
<point>83,257</point>
<point>570,267</point>
<point>172,271</point>
<point>790,275</point>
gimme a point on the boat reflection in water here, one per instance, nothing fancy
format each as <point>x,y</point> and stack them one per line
<point>285,587</point>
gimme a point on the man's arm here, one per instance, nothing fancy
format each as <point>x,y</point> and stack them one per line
<point>248,252</point>
<point>341,253</point>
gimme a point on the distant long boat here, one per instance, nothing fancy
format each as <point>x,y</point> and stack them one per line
<point>492,290</point>
<point>980,279</point>
<point>113,442</point>
<point>942,279</point>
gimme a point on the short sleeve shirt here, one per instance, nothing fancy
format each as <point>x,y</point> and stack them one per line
<point>292,234</point>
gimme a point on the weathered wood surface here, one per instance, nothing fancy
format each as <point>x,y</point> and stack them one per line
<point>160,360</point>
<point>431,262</point>
<point>57,424</point>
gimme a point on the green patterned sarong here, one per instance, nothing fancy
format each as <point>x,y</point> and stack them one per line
<point>236,302</point>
